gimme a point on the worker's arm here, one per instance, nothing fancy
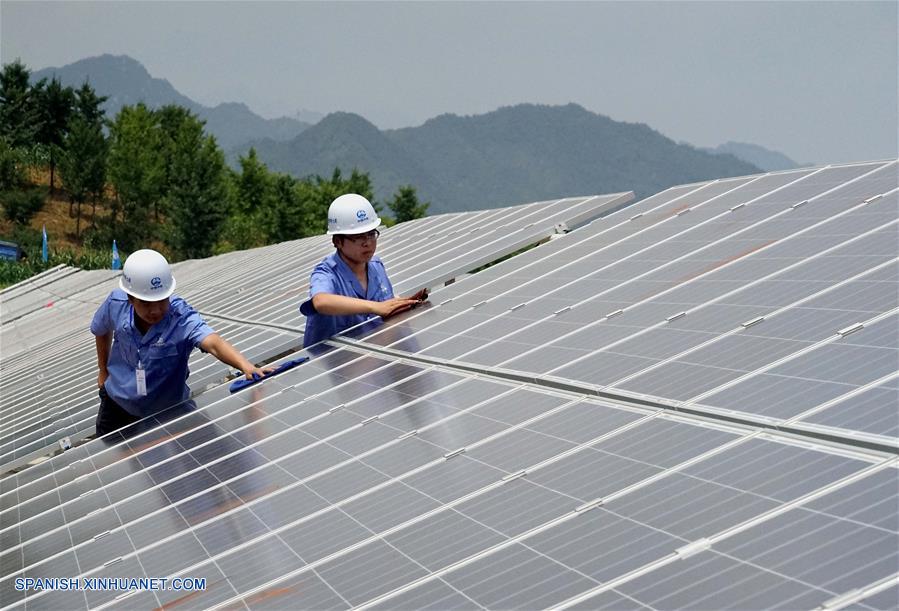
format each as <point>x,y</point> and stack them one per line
<point>340,305</point>
<point>215,345</point>
<point>104,343</point>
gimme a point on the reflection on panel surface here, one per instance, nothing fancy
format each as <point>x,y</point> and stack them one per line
<point>392,479</point>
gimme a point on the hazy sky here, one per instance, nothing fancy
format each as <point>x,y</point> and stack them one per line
<point>814,80</point>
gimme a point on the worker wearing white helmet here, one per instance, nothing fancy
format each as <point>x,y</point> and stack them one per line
<point>351,285</point>
<point>145,369</point>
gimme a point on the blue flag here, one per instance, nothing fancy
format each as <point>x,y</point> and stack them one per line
<point>44,245</point>
<point>116,262</point>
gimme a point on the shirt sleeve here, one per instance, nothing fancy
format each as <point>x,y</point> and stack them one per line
<point>194,328</point>
<point>321,281</point>
<point>102,323</point>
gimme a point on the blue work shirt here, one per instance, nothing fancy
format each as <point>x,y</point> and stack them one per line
<point>333,276</point>
<point>162,353</point>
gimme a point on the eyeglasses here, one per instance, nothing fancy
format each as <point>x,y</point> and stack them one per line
<point>363,237</point>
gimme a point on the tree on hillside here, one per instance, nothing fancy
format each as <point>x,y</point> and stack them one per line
<point>136,169</point>
<point>246,226</point>
<point>57,103</point>
<point>285,219</point>
<point>20,115</point>
<point>197,196</point>
<point>20,201</point>
<point>82,165</point>
<point>88,110</point>
<point>172,120</point>
<point>87,104</point>
<point>405,205</point>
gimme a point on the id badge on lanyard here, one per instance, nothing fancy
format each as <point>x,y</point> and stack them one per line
<point>140,379</point>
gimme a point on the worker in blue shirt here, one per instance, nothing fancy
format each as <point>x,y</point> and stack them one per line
<point>144,336</point>
<point>350,285</point>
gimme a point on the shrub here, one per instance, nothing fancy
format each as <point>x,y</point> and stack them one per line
<point>21,206</point>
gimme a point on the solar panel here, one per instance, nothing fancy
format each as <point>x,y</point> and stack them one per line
<point>661,409</point>
<point>729,308</point>
<point>266,285</point>
<point>249,289</point>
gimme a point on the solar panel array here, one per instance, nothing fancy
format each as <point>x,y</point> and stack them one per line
<point>770,297</point>
<point>47,351</point>
<point>685,404</point>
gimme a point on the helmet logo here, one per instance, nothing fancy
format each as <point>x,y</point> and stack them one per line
<point>156,282</point>
<point>361,215</point>
<point>127,279</point>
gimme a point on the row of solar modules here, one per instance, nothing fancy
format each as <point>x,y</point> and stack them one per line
<point>422,253</point>
<point>360,481</point>
<point>772,297</point>
<point>62,404</point>
<point>376,482</point>
<point>49,392</point>
<point>48,397</point>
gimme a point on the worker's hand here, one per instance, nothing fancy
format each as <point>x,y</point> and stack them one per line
<point>259,372</point>
<point>421,295</point>
<point>386,309</point>
<point>101,378</point>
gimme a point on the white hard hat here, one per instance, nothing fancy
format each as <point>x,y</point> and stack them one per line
<point>351,214</point>
<point>147,275</point>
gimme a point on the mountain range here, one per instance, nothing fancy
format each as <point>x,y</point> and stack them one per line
<point>125,81</point>
<point>511,155</point>
<point>759,156</point>
<point>514,154</point>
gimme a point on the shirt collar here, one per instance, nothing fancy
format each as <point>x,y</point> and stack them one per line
<point>159,327</point>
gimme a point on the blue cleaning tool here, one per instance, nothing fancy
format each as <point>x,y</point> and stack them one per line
<point>243,382</point>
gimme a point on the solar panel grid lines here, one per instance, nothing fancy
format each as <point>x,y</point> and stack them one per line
<point>279,281</point>
<point>462,484</point>
<point>406,524</point>
<point>233,285</point>
<point>836,336</point>
<point>522,235</point>
<point>439,461</point>
<point>224,283</point>
<point>224,278</point>
<point>660,293</point>
<point>194,495</point>
<point>600,230</point>
<point>743,327</point>
<point>858,595</point>
<point>405,242</point>
<point>490,551</point>
<point>724,535</point>
<point>34,353</point>
<point>344,463</point>
<point>23,388</point>
<point>169,439</point>
<point>813,417</point>
<point>70,282</point>
<point>556,270</point>
<point>794,386</point>
<point>71,371</point>
<point>70,379</point>
<point>25,285</point>
<point>35,283</point>
<point>65,458</point>
<point>72,410</point>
